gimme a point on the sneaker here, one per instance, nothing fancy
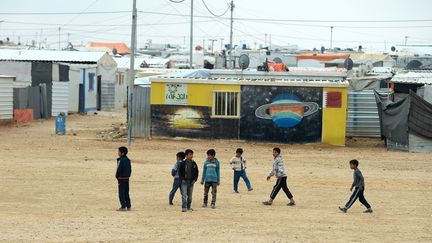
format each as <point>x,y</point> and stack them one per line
<point>343,209</point>
<point>121,209</point>
<point>267,203</point>
<point>213,206</point>
<point>171,203</point>
<point>236,192</point>
<point>250,189</point>
<point>291,204</point>
<point>204,205</point>
<point>369,210</point>
<point>129,209</point>
<point>190,209</point>
<point>184,210</point>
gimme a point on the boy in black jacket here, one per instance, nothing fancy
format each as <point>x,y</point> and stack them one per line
<point>122,174</point>
<point>188,174</point>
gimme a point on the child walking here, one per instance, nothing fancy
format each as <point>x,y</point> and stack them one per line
<point>278,170</point>
<point>188,174</point>
<point>174,172</point>
<point>210,177</point>
<point>238,164</point>
<point>359,187</point>
<point>123,174</point>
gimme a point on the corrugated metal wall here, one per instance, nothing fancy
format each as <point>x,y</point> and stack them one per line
<point>362,118</point>
<point>108,96</point>
<point>60,98</point>
<point>6,98</point>
<point>141,113</point>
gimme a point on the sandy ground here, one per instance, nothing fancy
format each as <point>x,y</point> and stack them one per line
<point>62,188</point>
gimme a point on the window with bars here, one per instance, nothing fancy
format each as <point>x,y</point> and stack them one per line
<point>226,104</point>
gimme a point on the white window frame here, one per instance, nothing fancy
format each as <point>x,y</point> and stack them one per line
<point>237,93</point>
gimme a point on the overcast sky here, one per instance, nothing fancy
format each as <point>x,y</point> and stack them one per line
<point>163,28</point>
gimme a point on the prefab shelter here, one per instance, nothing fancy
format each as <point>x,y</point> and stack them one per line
<point>6,97</point>
<point>48,66</point>
<point>260,106</point>
<point>21,70</point>
<point>404,82</point>
<point>317,60</point>
<point>144,66</point>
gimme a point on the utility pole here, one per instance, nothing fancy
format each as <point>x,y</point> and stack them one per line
<point>265,39</point>
<point>406,39</point>
<point>331,37</point>
<point>59,29</point>
<point>212,44</point>
<point>221,39</point>
<point>204,47</point>
<point>132,70</point>
<point>191,38</point>
<point>40,39</point>
<point>231,65</point>
<point>269,42</point>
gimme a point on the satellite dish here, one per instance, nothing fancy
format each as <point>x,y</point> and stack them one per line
<point>393,49</point>
<point>348,63</point>
<point>277,60</point>
<point>243,61</point>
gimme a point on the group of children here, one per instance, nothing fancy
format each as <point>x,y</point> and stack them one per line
<point>185,172</point>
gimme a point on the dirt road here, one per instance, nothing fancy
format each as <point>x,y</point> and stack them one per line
<point>62,188</point>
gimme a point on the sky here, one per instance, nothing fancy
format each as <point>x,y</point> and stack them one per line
<point>305,23</point>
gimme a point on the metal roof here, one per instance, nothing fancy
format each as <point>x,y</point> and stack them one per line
<point>51,56</point>
<point>413,78</point>
<point>294,74</point>
<point>253,78</point>
<point>124,62</point>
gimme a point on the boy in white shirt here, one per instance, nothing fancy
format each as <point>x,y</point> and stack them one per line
<point>238,164</point>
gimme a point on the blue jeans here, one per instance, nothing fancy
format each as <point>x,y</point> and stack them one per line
<point>186,191</point>
<point>176,185</point>
<point>242,174</point>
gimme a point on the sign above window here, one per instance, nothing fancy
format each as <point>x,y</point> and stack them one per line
<point>176,94</point>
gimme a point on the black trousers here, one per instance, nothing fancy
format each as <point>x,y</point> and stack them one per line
<point>123,188</point>
<point>281,183</point>
<point>357,194</point>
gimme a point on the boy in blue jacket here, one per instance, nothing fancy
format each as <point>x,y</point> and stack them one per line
<point>210,177</point>
<point>174,172</point>
<point>123,174</point>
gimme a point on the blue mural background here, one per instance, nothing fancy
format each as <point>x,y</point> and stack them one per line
<point>265,118</point>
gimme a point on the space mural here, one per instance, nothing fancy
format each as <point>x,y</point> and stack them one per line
<point>281,114</point>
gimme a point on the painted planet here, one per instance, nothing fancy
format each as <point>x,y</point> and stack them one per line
<point>286,110</point>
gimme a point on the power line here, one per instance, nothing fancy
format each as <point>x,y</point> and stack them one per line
<point>203,16</point>
<point>292,22</point>
<point>65,13</point>
<point>180,1</point>
<point>216,15</point>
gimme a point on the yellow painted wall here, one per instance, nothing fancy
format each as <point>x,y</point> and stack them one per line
<point>334,121</point>
<point>157,93</point>
<point>198,94</point>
